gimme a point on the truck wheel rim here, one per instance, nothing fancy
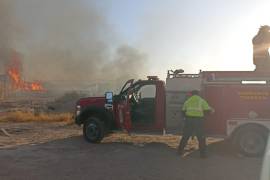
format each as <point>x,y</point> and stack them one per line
<point>92,131</point>
<point>252,143</point>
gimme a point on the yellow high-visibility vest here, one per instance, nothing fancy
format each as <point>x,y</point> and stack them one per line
<point>195,106</point>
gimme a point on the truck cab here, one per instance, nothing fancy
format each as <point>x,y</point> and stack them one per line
<point>139,107</point>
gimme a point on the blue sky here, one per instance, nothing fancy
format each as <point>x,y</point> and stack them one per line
<point>189,34</point>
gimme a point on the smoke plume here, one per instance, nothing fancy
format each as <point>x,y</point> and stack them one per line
<point>66,40</point>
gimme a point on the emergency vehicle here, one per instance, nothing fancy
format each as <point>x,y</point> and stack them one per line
<point>241,100</point>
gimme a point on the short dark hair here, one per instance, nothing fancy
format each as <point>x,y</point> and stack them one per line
<point>195,92</point>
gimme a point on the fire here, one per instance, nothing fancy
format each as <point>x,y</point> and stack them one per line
<point>14,72</point>
<point>14,75</point>
<point>35,86</point>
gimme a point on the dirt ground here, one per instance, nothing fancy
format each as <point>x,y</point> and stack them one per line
<point>58,151</point>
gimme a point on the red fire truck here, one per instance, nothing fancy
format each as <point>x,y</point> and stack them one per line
<point>241,100</point>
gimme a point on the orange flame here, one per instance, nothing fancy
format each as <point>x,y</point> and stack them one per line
<point>35,86</point>
<point>14,73</point>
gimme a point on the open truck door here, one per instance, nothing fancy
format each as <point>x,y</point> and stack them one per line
<point>123,107</point>
<point>147,106</point>
<point>124,116</point>
<point>141,107</point>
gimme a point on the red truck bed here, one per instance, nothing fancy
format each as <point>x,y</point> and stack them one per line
<point>235,94</point>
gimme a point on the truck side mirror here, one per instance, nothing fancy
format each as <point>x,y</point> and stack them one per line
<point>109,97</point>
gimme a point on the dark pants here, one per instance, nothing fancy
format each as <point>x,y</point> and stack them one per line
<point>193,125</point>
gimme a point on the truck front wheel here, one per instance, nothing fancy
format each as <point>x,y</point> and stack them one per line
<point>251,140</point>
<point>93,130</point>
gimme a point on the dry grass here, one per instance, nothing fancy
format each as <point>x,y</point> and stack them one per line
<point>19,116</point>
<point>170,140</point>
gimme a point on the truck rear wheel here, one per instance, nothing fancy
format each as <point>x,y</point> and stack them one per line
<point>251,140</point>
<point>93,129</point>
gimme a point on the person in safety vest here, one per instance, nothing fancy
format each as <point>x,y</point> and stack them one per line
<point>194,110</point>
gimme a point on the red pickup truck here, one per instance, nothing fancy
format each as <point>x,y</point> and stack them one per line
<point>241,100</point>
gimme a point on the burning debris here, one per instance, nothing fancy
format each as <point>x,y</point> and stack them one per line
<point>11,80</point>
<point>16,94</point>
<point>14,71</point>
<point>72,48</point>
<point>73,42</point>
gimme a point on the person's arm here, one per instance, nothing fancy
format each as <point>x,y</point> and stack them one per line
<point>206,108</point>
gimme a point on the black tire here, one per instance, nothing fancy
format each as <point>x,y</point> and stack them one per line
<point>93,130</point>
<point>251,140</point>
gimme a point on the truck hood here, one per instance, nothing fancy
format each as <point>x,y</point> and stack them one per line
<point>91,101</point>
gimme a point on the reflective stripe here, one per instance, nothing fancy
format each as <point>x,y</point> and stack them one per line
<point>194,109</point>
